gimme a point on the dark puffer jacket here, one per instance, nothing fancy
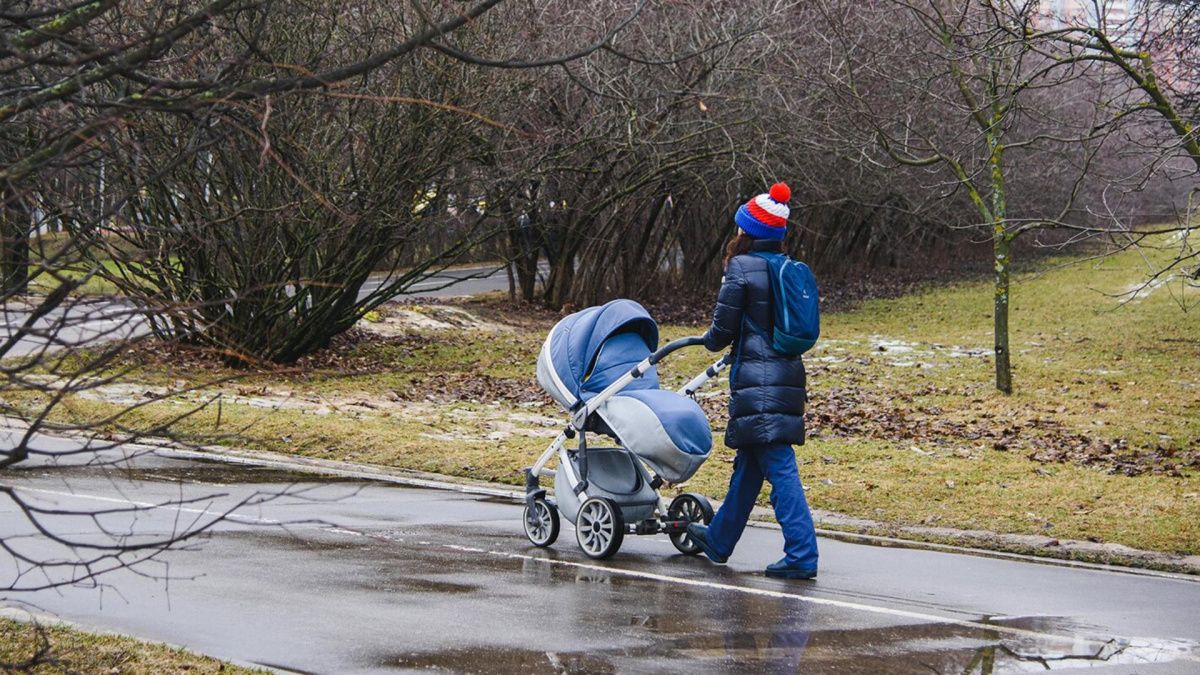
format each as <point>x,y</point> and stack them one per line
<point>767,388</point>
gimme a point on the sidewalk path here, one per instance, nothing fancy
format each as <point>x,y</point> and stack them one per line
<point>363,577</point>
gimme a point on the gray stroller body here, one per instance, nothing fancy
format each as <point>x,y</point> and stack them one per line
<point>600,365</point>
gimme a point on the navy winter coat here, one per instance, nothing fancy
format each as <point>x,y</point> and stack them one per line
<point>767,399</point>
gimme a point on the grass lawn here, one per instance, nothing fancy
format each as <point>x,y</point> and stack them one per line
<point>1100,441</point>
<point>42,282</point>
<point>72,651</point>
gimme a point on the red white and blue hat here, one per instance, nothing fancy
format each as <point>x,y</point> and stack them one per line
<point>765,216</point>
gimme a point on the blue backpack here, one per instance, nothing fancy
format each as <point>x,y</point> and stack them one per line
<point>796,304</point>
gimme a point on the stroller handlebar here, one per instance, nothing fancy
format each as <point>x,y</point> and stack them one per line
<point>674,345</point>
<point>702,379</point>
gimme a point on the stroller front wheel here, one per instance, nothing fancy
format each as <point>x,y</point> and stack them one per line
<point>541,523</point>
<point>599,528</point>
<point>693,508</point>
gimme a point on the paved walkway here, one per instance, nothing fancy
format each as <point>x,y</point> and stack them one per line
<point>353,576</point>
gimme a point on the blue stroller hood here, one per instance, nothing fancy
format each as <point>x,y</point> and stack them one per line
<point>569,368</point>
<point>589,350</point>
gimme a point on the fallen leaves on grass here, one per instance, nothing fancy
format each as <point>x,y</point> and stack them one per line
<point>848,412</point>
<point>474,387</point>
<point>1115,455</point>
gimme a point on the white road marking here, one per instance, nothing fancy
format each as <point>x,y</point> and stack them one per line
<point>750,590</point>
<point>152,505</point>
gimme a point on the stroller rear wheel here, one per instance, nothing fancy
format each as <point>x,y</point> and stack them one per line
<point>693,508</point>
<point>599,527</point>
<point>541,523</point>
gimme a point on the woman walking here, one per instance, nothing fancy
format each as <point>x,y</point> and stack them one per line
<point>767,396</point>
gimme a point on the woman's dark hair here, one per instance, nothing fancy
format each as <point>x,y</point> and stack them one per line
<point>739,245</point>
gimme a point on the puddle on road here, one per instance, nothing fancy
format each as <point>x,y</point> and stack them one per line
<point>474,612</point>
<point>421,585</point>
<point>920,648</point>
<point>673,628</point>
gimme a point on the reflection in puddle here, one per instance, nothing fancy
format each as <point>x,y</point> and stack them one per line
<point>905,649</point>
<point>474,612</point>
<point>752,633</point>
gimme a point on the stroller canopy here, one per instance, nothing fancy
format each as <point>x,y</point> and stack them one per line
<point>589,350</point>
<point>569,367</point>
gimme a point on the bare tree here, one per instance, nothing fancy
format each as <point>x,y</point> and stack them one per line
<point>645,148</point>
<point>260,249</point>
<point>623,137</point>
<point>1156,53</point>
<point>1018,111</point>
<point>82,84</point>
<point>142,141</point>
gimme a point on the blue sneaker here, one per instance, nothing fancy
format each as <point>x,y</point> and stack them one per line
<point>783,570</point>
<point>699,535</point>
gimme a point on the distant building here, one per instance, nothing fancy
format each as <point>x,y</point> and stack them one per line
<point>1114,16</point>
<point>1167,30</point>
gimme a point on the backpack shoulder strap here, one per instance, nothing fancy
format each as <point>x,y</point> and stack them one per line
<point>767,257</point>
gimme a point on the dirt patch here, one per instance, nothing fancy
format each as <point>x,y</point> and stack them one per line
<point>500,309</point>
<point>372,346</point>
<point>405,319</point>
<point>474,387</point>
<point>857,412</point>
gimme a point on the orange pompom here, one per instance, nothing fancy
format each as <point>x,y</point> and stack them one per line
<point>781,193</point>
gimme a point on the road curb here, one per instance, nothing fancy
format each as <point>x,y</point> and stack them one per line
<point>1024,548</point>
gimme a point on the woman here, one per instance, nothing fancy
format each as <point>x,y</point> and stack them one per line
<point>766,404</point>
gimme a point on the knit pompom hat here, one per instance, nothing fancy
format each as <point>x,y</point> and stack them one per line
<point>765,216</point>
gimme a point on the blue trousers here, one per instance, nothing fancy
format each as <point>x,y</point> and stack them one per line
<point>777,464</point>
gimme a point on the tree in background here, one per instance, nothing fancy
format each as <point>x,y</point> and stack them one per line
<point>1015,114</point>
<point>260,249</point>
<point>604,147</point>
<point>1156,53</point>
<point>254,223</point>
<point>86,85</point>
<point>624,167</point>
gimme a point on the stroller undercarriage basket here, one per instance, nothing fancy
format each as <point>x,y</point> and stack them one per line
<point>613,473</point>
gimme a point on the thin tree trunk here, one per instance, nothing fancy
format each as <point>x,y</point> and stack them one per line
<point>1001,245</point>
<point>14,244</point>
<point>1000,248</point>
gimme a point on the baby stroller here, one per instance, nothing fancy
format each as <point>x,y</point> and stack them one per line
<point>600,365</point>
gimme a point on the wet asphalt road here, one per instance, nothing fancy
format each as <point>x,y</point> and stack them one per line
<point>87,321</point>
<point>74,323</point>
<point>454,283</point>
<point>355,576</point>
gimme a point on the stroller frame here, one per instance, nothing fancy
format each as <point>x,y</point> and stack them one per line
<point>600,520</point>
